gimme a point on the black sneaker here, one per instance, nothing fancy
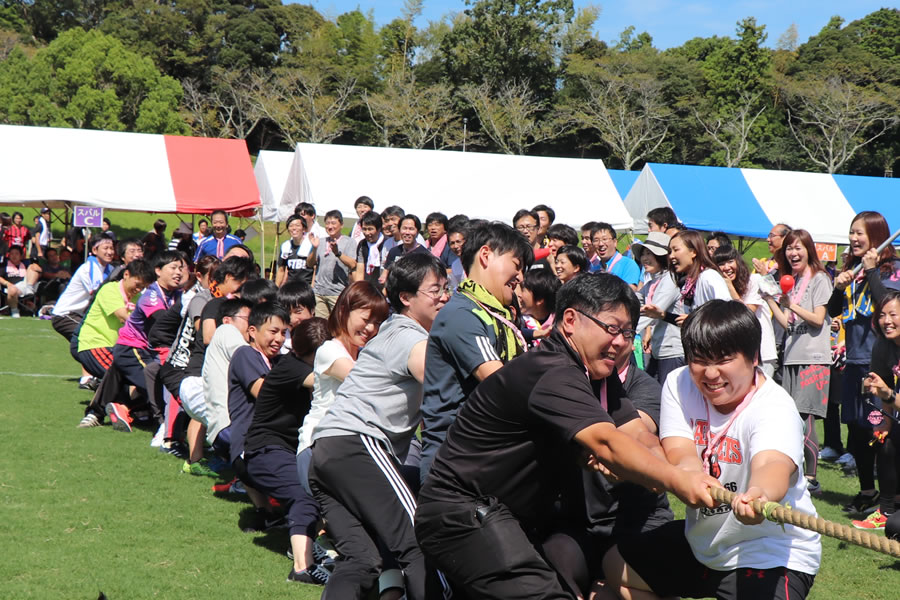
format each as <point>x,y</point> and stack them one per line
<point>175,448</point>
<point>314,575</point>
<point>863,503</point>
<point>264,521</point>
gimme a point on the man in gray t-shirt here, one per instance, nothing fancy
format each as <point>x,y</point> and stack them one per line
<point>334,259</point>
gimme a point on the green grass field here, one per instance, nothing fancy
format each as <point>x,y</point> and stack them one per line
<point>88,510</point>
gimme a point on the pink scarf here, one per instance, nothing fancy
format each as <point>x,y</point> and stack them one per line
<point>438,248</point>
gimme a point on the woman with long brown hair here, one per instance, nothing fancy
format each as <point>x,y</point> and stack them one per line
<point>696,274</point>
<point>807,338</point>
<point>854,298</point>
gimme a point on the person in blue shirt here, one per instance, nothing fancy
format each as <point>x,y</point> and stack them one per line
<point>604,240</point>
<point>220,241</point>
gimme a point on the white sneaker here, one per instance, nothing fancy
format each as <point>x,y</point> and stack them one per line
<point>829,454</point>
<point>14,313</point>
<point>90,420</point>
<point>159,437</point>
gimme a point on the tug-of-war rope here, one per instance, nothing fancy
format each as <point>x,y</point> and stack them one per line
<point>778,513</point>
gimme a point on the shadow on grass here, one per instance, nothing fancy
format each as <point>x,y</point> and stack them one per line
<point>895,566</point>
<point>275,540</point>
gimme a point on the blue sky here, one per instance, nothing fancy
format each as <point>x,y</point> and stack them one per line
<point>670,22</point>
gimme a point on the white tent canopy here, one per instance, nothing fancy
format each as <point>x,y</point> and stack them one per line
<point>271,171</point>
<point>54,166</point>
<point>486,186</point>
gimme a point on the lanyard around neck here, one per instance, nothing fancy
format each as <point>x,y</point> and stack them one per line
<point>711,444</point>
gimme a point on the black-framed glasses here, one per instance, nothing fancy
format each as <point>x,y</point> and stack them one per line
<point>612,330</point>
<point>524,228</point>
<point>436,294</point>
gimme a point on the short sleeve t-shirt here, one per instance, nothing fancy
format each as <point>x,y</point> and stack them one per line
<point>462,338</point>
<point>324,389</point>
<point>100,328</point>
<point>332,275</point>
<point>380,398</point>
<point>769,422</point>
<point>365,252</point>
<point>210,246</point>
<point>805,344</point>
<point>533,407</point>
<point>77,295</point>
<point>210,310</point>
<point>624,268</point>
<point>282,403</point>
<point>135,331</point>
<point>293,258</point>
<point>710,286</point>
<point>222,347</point>
<point>247,365</point>
<point>398,251</point>
<point>767,350</point>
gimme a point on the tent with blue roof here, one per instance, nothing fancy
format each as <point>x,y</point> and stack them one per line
<point>623,180</point>
<point>704,198</point>
<point>748,202</point>
<point>881,194</point>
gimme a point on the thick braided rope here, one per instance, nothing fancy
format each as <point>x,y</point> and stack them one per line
<point>778,513</point>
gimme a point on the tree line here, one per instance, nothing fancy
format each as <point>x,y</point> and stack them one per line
<point>512,76</point>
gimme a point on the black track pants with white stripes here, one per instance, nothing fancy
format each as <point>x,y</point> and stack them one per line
<point>358,486</point>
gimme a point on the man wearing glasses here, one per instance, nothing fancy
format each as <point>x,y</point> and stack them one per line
<point>774,240</point>
<point>490,495</point>
<point>603,238</point>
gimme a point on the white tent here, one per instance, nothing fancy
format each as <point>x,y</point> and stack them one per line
<point>271,171</point>
<point>53,166</point>
<point>486,186</point>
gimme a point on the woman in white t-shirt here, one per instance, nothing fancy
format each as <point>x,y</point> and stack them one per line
<point>357,315</point>
<point>744,286</point>
<point>697,276</point>
<point>807,344</point>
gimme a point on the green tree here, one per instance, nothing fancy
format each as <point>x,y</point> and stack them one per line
<point>622,104</point>
<point>414,115</point>
<point>87,79</point>
<point>496,41</point>
<point>512,116</point>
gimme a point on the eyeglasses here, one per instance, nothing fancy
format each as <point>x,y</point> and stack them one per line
<point>240,317</point>
<point>603,240</point>
<point>612,330</point>
<point>436,294</point>
<point>524,228</point>
<point>772,236</point>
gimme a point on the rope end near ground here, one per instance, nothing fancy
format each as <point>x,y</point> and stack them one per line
<point>779,513</point>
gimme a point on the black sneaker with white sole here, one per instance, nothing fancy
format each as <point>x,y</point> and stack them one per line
<point>863,504</point>
<point>314,575</point>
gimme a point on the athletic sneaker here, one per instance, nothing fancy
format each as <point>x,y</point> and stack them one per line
<point>874,521</point>
<point>199,468</point>
<point>232,487</point>
<point>814,487</point>
<point>315,575</point>
<point>90,420</point>
<point>846,459</point>
<point>175,448</point>
<point>119,416</point>
<point>829,454</point>
<point>159,437</point>
<point>89,383</point>
<point>863,503</point>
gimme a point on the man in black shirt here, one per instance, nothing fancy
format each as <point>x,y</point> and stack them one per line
<point>493,484</point>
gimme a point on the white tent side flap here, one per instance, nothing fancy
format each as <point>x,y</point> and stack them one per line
<point>487,186</point>
<point>810,201</point>
<point>645,195</point>
<point>271,172</point>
